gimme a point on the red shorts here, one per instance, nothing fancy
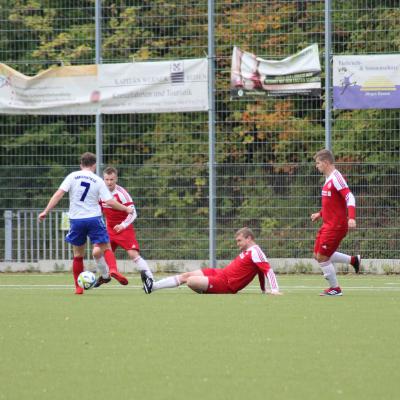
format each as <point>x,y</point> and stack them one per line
<point>328,240</point>
<point>217,282</point>
<point>125,239</point>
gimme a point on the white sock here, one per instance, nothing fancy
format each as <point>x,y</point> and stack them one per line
<point>273,283</point>
<point>170,282</point>
<point>102,267</point>
<point>340,258</point>
<point>143,266</point>
<point>329,273</point>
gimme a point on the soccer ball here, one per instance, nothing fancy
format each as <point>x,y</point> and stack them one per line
<point>86,280</point>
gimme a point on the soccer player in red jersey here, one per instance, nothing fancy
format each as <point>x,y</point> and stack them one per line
<point>338,214</point>
<point>229,280</point>
<point>120,228</point>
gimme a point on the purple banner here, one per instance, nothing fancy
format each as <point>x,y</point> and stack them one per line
<point>366,81</point>
<point>354,98</point>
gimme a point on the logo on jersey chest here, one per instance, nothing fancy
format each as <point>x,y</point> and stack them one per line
<point>326,190</point>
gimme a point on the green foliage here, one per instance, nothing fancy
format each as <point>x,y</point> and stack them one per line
<point>264,148</point>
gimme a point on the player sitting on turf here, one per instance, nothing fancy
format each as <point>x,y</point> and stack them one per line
<point>234,277</point>
<point>120,229</point>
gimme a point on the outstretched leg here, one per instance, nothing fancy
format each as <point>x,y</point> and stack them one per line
<point>175,281</point>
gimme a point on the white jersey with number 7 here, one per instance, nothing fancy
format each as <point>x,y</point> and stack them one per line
<point>85,190</point>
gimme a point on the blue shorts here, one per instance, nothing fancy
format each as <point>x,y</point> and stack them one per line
<point>80,229</point>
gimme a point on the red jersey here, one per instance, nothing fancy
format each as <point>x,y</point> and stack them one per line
<point>241,271</point>
<point>115,217</point>
<point>336,200</point>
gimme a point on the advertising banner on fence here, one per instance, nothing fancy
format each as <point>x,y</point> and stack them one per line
<point>362,82</point>
<point>139,87</point>
<point>297,74</point>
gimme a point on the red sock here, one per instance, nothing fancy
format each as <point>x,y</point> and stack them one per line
<point>77,268</point>
<point>110,260</point>
<point>353,260</point>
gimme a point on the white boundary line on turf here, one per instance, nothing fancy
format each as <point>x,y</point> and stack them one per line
<point>251,288</point>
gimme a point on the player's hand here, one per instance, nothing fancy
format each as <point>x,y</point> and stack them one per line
<point>42,216</point>
<point>130,210</point>
<point>352,223</point>
<point>315,216</point>
<point>118,228</point>
<point>274,293</point>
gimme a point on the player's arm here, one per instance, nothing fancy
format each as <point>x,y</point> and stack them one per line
<point>57,196</point>
<point>261,278</point>
<point>127,221</point>
<point>266,272</point>
<point>344,191</point>
<point>108,198</point>
<point>316,216</point>
<point>351,206</point>
<point>130,218</point>
<point>118,206</point>
<point>273,282</point>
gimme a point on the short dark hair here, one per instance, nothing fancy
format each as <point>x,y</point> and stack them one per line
<point>246,232</point>
<point>110,171</point>
<point>324,155</point>
<point>88,159</point>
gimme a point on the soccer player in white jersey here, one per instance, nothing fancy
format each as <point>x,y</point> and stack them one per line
<point>338,213</point>
<point>120,227</point>
<point>85,190</point>
<point>229,280</point>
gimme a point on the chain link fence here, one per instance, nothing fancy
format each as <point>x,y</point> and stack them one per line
<point>265,175</point>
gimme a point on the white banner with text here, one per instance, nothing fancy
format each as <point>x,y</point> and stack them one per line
<point>125,88</point>
<point>299,74</point>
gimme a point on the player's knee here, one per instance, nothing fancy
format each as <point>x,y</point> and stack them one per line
<point>183,278</point>
<point>191,282</point>
<point>321,258</point>
<point>196,284</point>
<point>133,254</point>
<point>96,252</point>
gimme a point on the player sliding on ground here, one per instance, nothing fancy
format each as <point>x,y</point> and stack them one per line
<point>338,213</point>
<point>229,280</point>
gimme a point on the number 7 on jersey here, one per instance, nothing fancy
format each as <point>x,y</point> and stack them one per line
<point>84,194</point>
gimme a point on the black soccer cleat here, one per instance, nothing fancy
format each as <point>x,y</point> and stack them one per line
<point>357,264</point>
<point>100,281</point>
<point>147,282</point>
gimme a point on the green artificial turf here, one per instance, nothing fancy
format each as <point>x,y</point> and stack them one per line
<point>118,343</point>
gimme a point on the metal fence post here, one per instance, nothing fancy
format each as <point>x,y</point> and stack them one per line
<point>211,136</point>
<point>328,78</point>
<point>8,235</point>
<point>99,131</point>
